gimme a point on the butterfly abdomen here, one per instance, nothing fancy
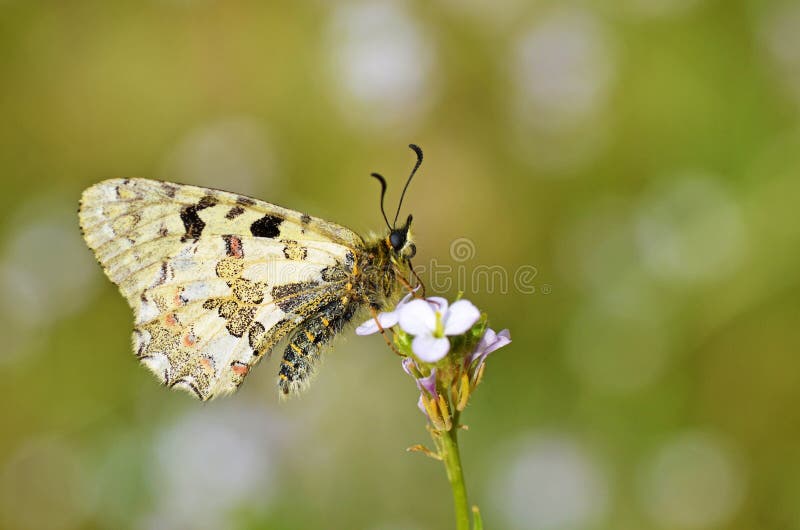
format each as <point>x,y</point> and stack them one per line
<point>303,351</point>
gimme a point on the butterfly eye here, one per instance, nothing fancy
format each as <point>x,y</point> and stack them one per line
<point>397,239</point>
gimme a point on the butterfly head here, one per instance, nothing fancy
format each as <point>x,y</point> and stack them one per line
<point>399,239</point>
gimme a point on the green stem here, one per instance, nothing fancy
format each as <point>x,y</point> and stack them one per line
<point>452,462</point>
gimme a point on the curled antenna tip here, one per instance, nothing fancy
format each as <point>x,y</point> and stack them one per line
<point>383,194</point>
<point>418,151</point>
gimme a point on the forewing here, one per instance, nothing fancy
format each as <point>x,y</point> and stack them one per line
<point>215,279</point>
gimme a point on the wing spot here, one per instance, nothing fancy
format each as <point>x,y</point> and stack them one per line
<point>192,223</point>
<point>125,193</point>
<point>255,336</point>
<point>189,340</point>
<point>294,251</point>
<point>248,291</point>
<point>191,220</point>
<point>233,246</point>
<point>164,274</point>
<point>234,212</point>
<point>267,226</point>
<point>240,321</point>
<point>207,365</point>
<point>207,202</point>
<point>229,267</point>
<point>178,299</point>
<point>240,368</point>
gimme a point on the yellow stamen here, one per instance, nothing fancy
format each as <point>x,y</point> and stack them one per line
<point>438,331</point>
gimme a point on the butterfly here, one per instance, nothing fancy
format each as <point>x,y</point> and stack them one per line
<point>216,280</point>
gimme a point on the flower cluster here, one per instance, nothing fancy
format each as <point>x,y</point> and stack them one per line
<point>444,348</point>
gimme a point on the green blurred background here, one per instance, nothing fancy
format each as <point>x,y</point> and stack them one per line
<point>638,160</point>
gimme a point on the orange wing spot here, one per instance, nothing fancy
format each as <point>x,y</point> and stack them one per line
<point>189,340</point>
<point>177,300</point>
<point>236,247</point>
<point>205,362</point>
<point>326,322</point>
<point>240,369</point>
<point>171,319</point>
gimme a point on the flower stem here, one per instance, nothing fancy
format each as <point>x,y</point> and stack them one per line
<point>452,462</point>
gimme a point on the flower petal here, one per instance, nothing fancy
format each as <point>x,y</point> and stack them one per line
<point>367,328</point>
<point>417,318</point>
<point>503,338</point>
<point>490,342</point>
<point>438,304</point>
<point>489,336</point>
<point>428,384</point>
<point>460,317</point>
<point>387,320</point>
<point>408,363</point>
<point>430,349</point>
<point>406,298</point>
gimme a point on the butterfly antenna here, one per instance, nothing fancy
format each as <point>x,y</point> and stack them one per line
<point>383,194</point>
<point>418,151</point>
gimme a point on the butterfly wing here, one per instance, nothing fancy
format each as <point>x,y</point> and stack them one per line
<point>215,279</point>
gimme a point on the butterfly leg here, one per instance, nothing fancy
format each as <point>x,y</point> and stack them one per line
<point>419,282</point>
<point>407,285</point>
<point>374,312</point>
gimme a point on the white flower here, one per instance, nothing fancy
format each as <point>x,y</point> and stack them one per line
<point>431,321</point>
<point>387,319</point>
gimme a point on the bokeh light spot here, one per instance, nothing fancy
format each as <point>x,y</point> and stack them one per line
<point>690,229</point>
<point>549,483</point>
<point>780,36</point>
<point>36,294</point>
<point>211,462</point>
<point>563,68</point>
<point>234,153</point>
<point>693,481</point>
<point>619,341</point>
<point>382,63</point>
